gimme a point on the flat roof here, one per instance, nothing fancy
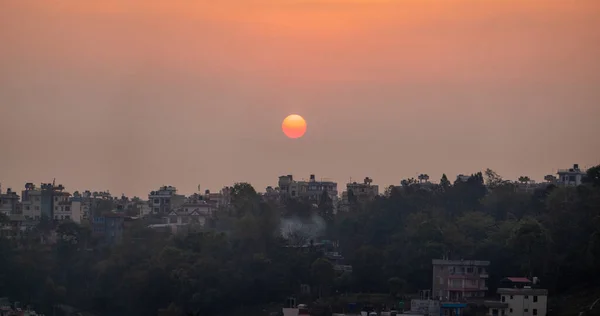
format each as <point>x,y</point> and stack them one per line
<point>523,291</point>
<point>441,262</point>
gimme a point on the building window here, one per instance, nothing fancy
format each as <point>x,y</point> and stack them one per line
<point>526,297</point>
<point>526,310</point>
<point>503,298</point>
<point>441,281</point>
<point>510,310</point>
<point>511,297</point>
<point>535,299</point>
<point>67,217</point>
<point>469,270</point>
<point>27,208</point>
<point>37,208</point>
<point>534,311</point>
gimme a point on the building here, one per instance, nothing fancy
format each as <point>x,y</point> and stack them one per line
<point>359,192</point>
<point>108,227</point>
<point>165,199</point>
<point>311,189</point>
<point>51,194</point>
<point>456,280</point>
<point>196,203</point>
<point>570,177</point>
<point>14,227</point>
<point>519,297</point>
<point>31,201</point>
<point>9,202</point>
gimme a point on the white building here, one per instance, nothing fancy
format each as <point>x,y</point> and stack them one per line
<point>519,301</point>
<point>570,177</point>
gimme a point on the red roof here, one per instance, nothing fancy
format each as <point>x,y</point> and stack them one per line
<point>519,280</point>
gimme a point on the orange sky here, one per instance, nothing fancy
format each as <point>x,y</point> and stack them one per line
<point>127,95</point>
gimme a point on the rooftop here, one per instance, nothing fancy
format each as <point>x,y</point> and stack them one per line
<point>442,262</point>
<point>524,291</point>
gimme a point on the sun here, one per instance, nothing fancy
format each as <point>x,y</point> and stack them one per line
<point>294,126</point>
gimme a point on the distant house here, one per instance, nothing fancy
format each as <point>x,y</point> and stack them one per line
<point>108,227</point>
<point>459,279</point>
<point>570,177</point>
<point>184,217</point>
<point>519,297</point>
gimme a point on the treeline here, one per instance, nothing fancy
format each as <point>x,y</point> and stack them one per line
<point>552,233</point>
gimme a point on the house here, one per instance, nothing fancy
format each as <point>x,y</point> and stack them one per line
<point>108,227</point>
<point>31,201</point>
<point>14,227</point>
<point>311,189</point>
<point>165,199</point>
<point>570,177</point>
<point>455,280</point>
<point>359,192</point>
<point>183,217</point>
<point>519,297</point>
<point>9,202</point>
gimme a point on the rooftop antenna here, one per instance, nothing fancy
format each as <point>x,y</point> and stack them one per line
<point>53,181</point>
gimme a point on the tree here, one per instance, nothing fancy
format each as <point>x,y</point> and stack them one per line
<point>593,176</point>
<point>325,207</point>
<point>444,182</point>
<point>397,286</point>
<point>323,275</point>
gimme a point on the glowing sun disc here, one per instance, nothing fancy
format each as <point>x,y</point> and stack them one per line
<point>294,126</point>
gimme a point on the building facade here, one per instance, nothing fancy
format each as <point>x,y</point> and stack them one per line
<point>31,200</point>
<point>358,192</point>
<point>459,279</point>
<point>570,177</point>
<point>311,189</point>
<point>108,227</point>
<point>165,199</point>
<point>519,297</point>
<point>9,202</point>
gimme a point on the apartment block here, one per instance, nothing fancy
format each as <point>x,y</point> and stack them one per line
<point>455,280</point>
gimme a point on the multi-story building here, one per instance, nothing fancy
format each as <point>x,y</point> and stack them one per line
<point>31,200</point>
<point>9,202</point>
<point>165,199</point>
<point>108,227</point>
<point>361,192</point>
<point>570,177</point>
<point>50,196</point>
<point>519,297</point>
<point>459,279</point>
<point>311,189</point>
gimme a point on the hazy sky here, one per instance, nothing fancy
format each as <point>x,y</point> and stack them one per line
<point>128,95</point>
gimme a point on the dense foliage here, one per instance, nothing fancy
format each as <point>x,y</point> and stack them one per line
<point>552,233</point>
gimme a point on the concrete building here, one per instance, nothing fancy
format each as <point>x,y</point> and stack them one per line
<point>108,227</point>
<point>51,194</point>
<point>570,177</point>
<point>196,203</point>
<point>165,199</point>
<point>361,192</point>
<point>9,202</point>
<point>519,297</point>
<point>459,279</point>
<point>311,189</point>
<point>31,201</point>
